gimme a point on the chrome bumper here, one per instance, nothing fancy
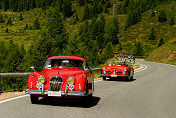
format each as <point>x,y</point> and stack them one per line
<point>103,75</point>
<point>64,93</point>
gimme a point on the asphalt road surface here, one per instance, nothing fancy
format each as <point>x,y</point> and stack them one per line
<point>152,94</point>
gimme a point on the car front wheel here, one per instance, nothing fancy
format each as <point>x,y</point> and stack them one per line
<point>34,99</point>
<point>104,78</point>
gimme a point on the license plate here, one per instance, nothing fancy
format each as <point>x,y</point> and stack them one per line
<point>113,75</point>
<point>54,93</point>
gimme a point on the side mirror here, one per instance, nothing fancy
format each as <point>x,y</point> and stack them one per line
<point>86,69</point>
<point>32,68</point>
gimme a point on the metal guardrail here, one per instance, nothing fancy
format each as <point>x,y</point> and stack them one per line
<point>94,69</point>
<point>4,75</point>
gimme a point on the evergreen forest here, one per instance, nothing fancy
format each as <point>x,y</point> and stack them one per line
<point>33,30</point>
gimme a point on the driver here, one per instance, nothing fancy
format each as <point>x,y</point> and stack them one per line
<point>57,63</point>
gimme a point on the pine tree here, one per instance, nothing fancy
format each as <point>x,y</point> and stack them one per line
<point>36,24</point>
<point>152,35</point>
<point>56,30</point>
<point>126,2</point>
<point>67,8</point>
<point>20,7</point>
<point>13,59</point>
<point>38,3</point>
<point>86,14</point>
<point>108,4</point>
<point>32,4</point>
<point>20,17</point>
<point>4,5</point>
<point>80,2</point>
<point>100,7</point>
<point>111,31</point>
<point>26,27</point>
<point>133,18</point>
<point>6,30</point>
<point>1,19</point>
<point>115,31</point>
<point>161,42</point>
<point>120,46</point>
<point>152,14</point>
<point>162,16</point>
<point>138,50</point>
<point>172,22</point>
<point>106,10</point>
<point>95,8</point>
<point>59,4</point>
<point>9,21</point>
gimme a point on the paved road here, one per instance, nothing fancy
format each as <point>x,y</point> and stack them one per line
<point>152,94</point>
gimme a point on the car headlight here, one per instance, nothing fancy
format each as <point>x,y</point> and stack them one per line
<point>70,80</point>
<point>41,79</point>
<point>125,69</point>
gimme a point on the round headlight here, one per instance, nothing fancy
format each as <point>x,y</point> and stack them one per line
<point>70,80</point>
<point>125,69</point>
<point>41,79</point>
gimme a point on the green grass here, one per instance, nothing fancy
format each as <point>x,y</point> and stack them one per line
<point>16,31</point>
<point>140,31</point>
<point>164,54</point>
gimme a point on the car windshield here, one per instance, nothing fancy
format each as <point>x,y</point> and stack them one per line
<point>64,63</point>
<point>117,63</point>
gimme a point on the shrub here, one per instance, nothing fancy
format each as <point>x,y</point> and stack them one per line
<point>162,16</point>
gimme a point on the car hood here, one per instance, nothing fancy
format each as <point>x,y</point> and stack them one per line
<point>62,72</point>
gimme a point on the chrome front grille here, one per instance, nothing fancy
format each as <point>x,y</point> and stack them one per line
<point>108,72</point>
<point>120,72</point>
<point>56,83</point>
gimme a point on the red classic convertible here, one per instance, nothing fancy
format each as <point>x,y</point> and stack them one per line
<point>118,69</point>
<point>62,76</point>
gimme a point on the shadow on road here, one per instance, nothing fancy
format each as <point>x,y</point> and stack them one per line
<point>70,102</point>
<point>121,80</point>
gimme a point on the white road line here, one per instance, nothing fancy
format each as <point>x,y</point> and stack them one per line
<point>99,80</point>
<point>22,96</point>
<point>145,67</point>
<point>10,99</point>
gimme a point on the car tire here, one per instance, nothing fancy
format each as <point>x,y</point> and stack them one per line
<point>34,99</point>
<point>104,78</point>
<point>88,98</point>
<point>128,78</point>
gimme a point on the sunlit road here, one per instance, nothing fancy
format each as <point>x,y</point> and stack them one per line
<point>152,94</point>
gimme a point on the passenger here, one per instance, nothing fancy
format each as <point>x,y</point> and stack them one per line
<point>123,63</point>
<point>57,64</point>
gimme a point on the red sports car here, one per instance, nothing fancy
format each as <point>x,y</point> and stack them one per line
<point>62,76</point>
<point>118,69</point>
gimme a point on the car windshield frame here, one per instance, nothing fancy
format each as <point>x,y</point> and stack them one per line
<point>118,63</point>
<point>64,63</point>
